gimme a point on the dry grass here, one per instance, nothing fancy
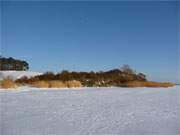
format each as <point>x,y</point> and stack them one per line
<point>149,84</point>
<point>134,84</point>
<point>7,83</point>
<point>41,84</point>
<point>159,84</point>
<point>57,84</point>
<point>73,84</point>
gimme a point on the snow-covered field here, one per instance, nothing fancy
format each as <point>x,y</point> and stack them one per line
<point>17,74</point>
<point>91,111</point>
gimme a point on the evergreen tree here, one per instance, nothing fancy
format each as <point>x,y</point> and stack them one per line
<point>13,64</point>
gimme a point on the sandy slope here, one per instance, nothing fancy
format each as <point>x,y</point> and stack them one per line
<point>96,111</point>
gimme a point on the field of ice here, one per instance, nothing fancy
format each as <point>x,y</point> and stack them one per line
<point>90,111</point>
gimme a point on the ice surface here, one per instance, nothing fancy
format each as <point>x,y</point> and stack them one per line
<point>90,111</point>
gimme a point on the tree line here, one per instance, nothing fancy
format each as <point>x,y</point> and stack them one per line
<point>115,77</point>
<point>13,64</point>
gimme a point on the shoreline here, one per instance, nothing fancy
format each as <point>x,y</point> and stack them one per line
<point>23,88</point>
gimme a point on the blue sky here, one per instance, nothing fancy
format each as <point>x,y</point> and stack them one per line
<point>85,36</point>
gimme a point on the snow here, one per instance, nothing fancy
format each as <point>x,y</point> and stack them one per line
<point>17,74</point>
<point>90,111</point>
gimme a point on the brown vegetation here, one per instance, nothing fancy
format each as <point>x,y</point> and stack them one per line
<point>73,84</point>
<point>41,84</point>
<point>7,83</point>
<point>149,84</point>
<point>115,77</point>
<point>122,77</point>
<point>56,84</point>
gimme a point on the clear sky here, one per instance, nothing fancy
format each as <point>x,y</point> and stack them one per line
<point>85,36</point>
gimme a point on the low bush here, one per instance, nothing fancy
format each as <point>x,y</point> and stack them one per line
<point>7,83</point>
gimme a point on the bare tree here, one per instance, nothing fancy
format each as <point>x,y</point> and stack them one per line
<point>127,69</point>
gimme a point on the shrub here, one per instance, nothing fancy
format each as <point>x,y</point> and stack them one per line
<point>7,83</point>
<point>73,84</point>
<point>41,84</point>
<point>23,80</point>
<point>57,84</point>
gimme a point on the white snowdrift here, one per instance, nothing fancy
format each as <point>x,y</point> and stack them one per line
<point>17,74</point>
<point>91,111</point>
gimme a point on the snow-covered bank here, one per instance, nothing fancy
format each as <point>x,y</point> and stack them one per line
<point>97,111</point>
<point>17,74</point>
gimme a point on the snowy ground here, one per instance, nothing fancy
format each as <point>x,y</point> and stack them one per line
<point>91,111</point>
<point>17,74</point>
